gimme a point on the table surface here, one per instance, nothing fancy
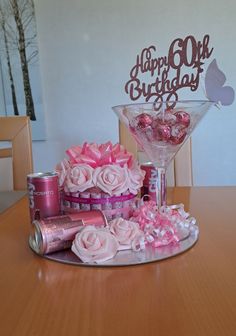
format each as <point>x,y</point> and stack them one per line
<point>190,294</point>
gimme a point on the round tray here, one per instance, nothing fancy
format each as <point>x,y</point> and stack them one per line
<point>128,257</point>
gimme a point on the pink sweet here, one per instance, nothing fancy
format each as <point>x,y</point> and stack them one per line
<point>162,132</point>
<point>143,120</point>
<point>94,245</point>
<point>183,118</point>
<point>178,134</point>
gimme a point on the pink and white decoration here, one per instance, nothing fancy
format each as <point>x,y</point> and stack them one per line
<point>149,227</point>
<point>105,177</point>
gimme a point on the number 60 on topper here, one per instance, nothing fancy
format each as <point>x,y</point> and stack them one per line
<point>181,68</point>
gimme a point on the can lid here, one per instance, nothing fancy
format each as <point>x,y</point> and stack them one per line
<point>38,237</point>
<point>42,175</point>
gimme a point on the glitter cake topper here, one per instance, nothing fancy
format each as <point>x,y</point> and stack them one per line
<point>160,78</point>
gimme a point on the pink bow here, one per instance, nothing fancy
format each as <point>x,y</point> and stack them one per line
<point>99,155</point>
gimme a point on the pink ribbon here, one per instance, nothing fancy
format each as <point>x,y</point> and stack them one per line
<point>99,155</point>
<point>125,211</point>
<point>161,226</point>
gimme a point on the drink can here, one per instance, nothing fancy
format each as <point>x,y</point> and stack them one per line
<point>57,233</point>
<point>150,181</point>
<point>44,196</point>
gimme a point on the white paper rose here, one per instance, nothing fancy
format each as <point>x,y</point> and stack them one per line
<point>79,178</point>
<point>94,245</point>
<point>124,231</point>
<point>135,181</point>
<point>111,179</point>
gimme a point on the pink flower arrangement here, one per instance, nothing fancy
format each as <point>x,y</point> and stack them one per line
<point>100,244</point>
<point>109,168</point>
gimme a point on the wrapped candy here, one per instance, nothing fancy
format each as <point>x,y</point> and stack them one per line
<point>178,134</point>
<point>143,120</point>
<point>183,118</point>
<point>170,126</point>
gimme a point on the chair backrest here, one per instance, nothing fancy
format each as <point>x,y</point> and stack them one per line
<point>17,130</point>
<point>180,171</point>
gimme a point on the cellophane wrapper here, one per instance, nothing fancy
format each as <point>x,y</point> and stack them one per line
<point>112,206</point>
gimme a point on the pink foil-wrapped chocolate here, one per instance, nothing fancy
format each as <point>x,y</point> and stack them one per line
<point>162,132</point>
<point>143,120</point>
<point>183,118</point>
<point>178,134</point>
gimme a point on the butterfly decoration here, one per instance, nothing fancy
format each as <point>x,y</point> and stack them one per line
<point>214,86</point>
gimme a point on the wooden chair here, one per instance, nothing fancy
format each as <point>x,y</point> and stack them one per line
<point>180,171</point>
<point>17,130</point>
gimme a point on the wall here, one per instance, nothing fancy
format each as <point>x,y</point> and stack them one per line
<point>87,49</point>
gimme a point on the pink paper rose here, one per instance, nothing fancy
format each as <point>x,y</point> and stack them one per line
<point>79,178</point>
<point>61,169</point>
<point>111,179</point>
<point>94,245</point>
<point>136,176</point>
<point>124,231</point>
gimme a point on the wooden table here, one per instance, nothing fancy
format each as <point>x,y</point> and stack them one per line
<point>191,294</point>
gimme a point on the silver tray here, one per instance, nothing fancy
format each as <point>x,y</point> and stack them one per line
<point>128,257</point>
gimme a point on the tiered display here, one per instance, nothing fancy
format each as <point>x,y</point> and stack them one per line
<point>102,177</point>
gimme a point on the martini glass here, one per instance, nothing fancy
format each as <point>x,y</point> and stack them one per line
<point>161,129</point>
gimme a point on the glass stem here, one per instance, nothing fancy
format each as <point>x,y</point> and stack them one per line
<point>161,187</point>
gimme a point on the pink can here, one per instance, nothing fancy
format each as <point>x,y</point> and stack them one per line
<point>150,181</point>
<point>53,234</point>
<point>44,196</point>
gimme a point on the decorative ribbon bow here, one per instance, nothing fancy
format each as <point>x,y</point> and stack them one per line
<point>99,155</point>
<point>161,227</point>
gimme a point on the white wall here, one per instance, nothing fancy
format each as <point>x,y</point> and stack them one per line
<point>87,48</point>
